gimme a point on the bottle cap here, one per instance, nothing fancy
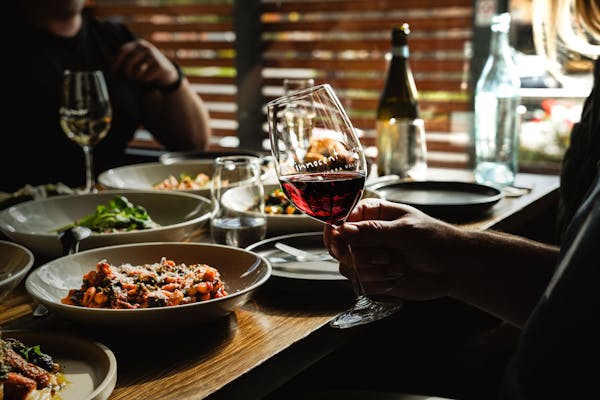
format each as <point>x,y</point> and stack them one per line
<point>501,21</point>
<point>400,32</point>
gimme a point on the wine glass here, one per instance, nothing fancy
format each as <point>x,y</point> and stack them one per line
<point>85,114</point>
<point>321,168</point>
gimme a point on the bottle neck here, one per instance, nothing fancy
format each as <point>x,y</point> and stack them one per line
<point>400,51</point>
<point>499,43</point>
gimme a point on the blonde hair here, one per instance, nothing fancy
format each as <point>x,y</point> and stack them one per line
<point>572,24</point>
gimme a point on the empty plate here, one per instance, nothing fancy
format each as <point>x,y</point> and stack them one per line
<point>443,199</point>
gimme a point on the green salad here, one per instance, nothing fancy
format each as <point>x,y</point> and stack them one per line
<point>119,215</point>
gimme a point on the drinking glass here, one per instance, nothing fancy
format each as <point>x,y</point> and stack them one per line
<point>321,168</point>
<point>85,114</point>
<point>238,201</point>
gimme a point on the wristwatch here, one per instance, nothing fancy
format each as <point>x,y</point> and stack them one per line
<point>173,86</point>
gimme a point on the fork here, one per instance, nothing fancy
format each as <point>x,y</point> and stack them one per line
<point>302,255</point>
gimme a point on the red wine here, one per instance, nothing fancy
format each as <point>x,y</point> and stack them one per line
<point>328,197</point>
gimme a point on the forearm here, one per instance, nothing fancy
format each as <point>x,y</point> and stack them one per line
<point>179,120</point>
<point>504,275</point>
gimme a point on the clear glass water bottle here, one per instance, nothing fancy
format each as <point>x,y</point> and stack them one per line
<point>497,120</point>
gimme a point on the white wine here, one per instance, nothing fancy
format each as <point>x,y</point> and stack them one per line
<point>84,130</point>
<point>401,147</point>
<point>237,232</point>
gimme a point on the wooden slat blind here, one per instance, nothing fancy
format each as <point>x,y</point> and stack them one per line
<point>341,42</point>
<point>200,37</point>
<point>345,43</point>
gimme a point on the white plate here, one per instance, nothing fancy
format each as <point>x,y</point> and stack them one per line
<point>286,266</point>
<point>33,223</point>
<point>89,367</point>
<point>144,176</point>
<point>281,224</point>
<point>242,272</point>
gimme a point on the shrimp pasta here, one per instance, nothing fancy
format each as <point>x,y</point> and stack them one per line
<point>160,284</point>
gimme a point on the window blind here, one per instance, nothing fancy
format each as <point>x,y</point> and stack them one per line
<point>341,42</point>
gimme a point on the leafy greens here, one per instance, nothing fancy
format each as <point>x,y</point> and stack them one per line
<point>118,216</point>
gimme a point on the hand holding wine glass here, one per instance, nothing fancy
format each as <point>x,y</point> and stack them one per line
<point>321,167</point>
<point>85,114</point>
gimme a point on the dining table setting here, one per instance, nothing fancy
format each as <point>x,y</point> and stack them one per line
<point>199,276</point>
<point>274,320</point>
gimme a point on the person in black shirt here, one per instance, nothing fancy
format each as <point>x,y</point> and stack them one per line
<point>146,89</point>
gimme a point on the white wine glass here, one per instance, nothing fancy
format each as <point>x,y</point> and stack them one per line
<point>85,114</point>
<point>321,168</point>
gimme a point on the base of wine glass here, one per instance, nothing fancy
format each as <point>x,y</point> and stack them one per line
<point>364,311</point>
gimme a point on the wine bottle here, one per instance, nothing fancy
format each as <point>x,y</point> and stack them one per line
<point>496,117</point>
<point>401,146</point>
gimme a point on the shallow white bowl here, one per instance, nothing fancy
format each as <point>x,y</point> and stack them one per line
<point>242,272</point>
<point>33,223</point>
<point>144,176</point>
<point>15,262</point>
<point>89,367</point>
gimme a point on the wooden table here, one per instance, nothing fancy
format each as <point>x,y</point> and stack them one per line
<point>262,345</point>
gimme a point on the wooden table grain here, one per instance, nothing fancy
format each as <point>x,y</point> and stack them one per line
<point>256,349</point>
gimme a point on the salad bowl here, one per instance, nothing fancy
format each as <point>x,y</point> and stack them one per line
<point>36,224</point>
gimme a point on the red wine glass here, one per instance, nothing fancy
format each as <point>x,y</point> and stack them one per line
<point>322,169</point>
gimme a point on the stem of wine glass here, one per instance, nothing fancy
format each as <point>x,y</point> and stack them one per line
<point>365,308</point>
<point>359,289</point>
<point>90,184</point>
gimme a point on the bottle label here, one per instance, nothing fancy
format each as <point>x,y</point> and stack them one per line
<point>401,148</point>
<point>400,51</point>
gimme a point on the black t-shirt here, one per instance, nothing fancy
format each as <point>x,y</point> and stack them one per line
<point>559,348</point>
<point>35,150</point>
